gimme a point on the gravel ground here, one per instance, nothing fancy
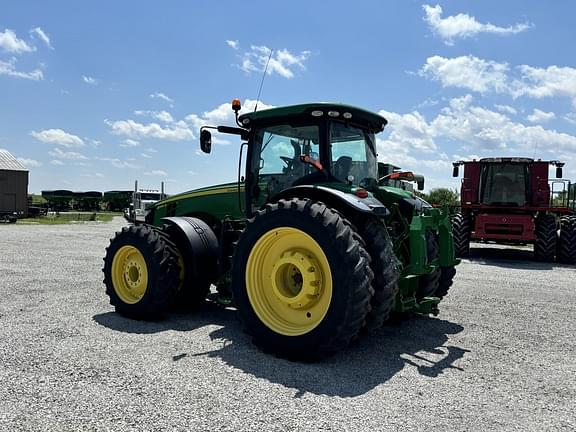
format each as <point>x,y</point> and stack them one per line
<point>500,356</point>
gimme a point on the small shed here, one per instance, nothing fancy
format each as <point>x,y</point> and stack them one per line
<point>13,184</point>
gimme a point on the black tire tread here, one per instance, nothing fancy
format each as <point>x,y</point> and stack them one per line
<point>386,274</point>
<point>446,281</point>
<point>545,244</point>
<point>567,240</point>
<point>355,259</point>
<point>162,282</point>
<point>461,230</point>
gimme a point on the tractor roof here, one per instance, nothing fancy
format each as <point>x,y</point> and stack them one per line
<point>315,110</point>
<point>506,159</point>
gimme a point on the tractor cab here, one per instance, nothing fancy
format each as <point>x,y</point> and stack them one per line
<point>309,144</point>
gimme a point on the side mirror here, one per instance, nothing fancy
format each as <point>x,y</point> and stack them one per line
<point>455,171</point>
<point>205,141</point>
<point>419,181</point>
<point>558,172</point>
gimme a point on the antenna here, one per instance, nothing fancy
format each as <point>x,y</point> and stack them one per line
<point>262,82</point>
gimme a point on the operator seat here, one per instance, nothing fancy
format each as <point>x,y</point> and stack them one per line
<point>342,167</point>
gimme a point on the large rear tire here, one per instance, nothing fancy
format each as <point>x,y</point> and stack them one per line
<point>567,240</point>
<point>545,244</point>
<point>461,231</point>
<point>301,280</point>
<point>384,266</point>
<point>140,273</point>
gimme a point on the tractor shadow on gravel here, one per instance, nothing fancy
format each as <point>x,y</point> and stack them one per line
<point>374,359</point>
<point>507,257</point>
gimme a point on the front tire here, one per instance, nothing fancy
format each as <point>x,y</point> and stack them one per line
<point>461,231</point>
<point>545,244</point>
<point>301,280</point>
<point>140,273</point>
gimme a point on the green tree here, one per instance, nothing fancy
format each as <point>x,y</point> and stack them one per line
<point>443,196</point>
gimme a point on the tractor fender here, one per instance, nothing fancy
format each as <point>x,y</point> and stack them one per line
<point>335,198</point>
<point>196,242</point>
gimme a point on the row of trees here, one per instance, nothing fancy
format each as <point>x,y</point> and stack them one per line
<point>442,197</point>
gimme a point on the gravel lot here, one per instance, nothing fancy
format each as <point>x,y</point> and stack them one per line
<point>500,356</point>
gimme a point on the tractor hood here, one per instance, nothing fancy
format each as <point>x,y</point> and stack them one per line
<point>204,191</point>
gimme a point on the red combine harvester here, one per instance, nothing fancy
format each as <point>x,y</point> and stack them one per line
<point>511,200</point>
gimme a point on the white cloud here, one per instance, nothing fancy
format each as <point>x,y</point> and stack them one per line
<point>233,44</point>
<point>56,162</point>
<point>95,175</point>
<point>463,26</point>
<point>539,116</point>
<point>41,34</point>
<point>570,118</point>
<point>151,150</point>
<point>163,116</point>
<point>89,80</point>
<point>546,82</point>
<point>282,62</point>
<point>9,68</point>
<point>93,143</point>
<point>476,129</point>
<point>467,72</point>
<point>222,115</point>
<point>29,163</point>
<point>181,130</point>
<point>58,136</point>
<point>162,96</point>
<point>177,131</point>
<point>158,173</point>
<point>130,143</point>
<point>484,76</point>
<point>59,154</point>
<point>9,42</point>
<point>484,129</point>
<point>410,131</point>
<point>144,155</point>
<point>506,109</point>
<point>117,163</point>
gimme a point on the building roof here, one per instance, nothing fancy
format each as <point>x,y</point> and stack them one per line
<point>9,162</point>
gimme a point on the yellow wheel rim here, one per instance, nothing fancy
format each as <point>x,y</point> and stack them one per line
<point>129,274</point>
<point>288,281</point>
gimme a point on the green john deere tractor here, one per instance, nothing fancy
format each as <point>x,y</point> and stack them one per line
<point>310,245</point>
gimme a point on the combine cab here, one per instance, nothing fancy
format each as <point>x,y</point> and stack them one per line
<point>512,200</point>
<point>311,244</point>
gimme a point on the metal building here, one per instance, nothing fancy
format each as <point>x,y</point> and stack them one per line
<point>13,184</point>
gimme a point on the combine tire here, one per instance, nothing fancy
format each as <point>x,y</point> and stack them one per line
<point>446,280</point>
<point>301,280</point>
<point>461,230</point>
<point>545,244</point>
<point>140,273</point>
<point>386,274</point>
<point>428,284</point>
<point>567,240</point>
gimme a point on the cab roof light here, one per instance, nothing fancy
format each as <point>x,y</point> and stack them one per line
<point>236,105</point>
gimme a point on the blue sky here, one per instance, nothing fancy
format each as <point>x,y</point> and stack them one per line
<point>94,95</point>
